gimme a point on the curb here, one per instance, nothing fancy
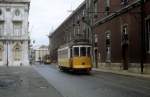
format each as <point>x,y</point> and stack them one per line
<point>124,73</point>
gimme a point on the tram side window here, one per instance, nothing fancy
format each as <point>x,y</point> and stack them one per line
<point>76,51</point>
<point>83,51</point>
<point>59,54</point>
<point>63,54</point>
<point>66,53</point>
<point>88,51</point>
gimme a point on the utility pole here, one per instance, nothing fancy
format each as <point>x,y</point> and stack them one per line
<point>89,22</point>
<point>143,53</point>
<point>88,19</point>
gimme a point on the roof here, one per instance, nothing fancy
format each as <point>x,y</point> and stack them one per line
<point>18,1</point>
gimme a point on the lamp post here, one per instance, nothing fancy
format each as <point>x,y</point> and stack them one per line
<point>7,63</point>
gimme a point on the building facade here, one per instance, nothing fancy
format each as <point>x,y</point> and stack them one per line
<point>118,29</point>
<point>14,36</point>
<point>122,28</point>
<point>72,29</point>
<point>40,53</point>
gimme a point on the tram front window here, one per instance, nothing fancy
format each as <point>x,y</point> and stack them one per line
<point>83,51</point>
<point>88,51</point>
<point>76,51</point>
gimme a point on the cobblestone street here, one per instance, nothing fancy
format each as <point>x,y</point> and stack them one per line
<point>24,82</point>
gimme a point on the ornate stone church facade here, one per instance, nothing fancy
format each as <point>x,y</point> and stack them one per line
<point>14,35</point>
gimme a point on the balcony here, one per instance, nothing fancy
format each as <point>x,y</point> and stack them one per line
<point>17,18</point>
<point>14,37</point>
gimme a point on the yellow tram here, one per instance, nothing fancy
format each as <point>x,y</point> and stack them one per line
<point>47,59</point>
<point>75,57</point>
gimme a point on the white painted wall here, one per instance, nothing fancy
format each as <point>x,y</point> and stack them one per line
<point>9,17</point>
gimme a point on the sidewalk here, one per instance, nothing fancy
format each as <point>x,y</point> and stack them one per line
<point>24,82</point>
<point>121,72</point>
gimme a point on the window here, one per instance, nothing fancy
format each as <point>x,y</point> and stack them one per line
<point>1,28</point>
<point>82,51</point>
<point>0,12</point>
<point>63,53</point>
<point>107,3</point>
<point>89,51</point>
<point>124,2</point>
<point>108,41</point>
<point>76,51</point>
<point>74,31</point>
<point>108,47</point>
<point>17,53</point>
<point>78,20</point>
<point>1,53</point>
<point>17,12</point>
<point>148,34</point>
<point>17,29</point>
<point>7,9</point>
<point>107,6</point>
<point>78,30</point>
<point>84,12</point>
<point>88,34</point>
<point>95,8</point>
<point>125,36</point>
<point>96,40</point>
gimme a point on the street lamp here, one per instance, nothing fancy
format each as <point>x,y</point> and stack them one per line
<point>7,63</point>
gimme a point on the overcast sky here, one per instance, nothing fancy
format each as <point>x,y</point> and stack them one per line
<point>46,15</point>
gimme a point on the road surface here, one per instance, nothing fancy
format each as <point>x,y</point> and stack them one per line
<point>96,84</point>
